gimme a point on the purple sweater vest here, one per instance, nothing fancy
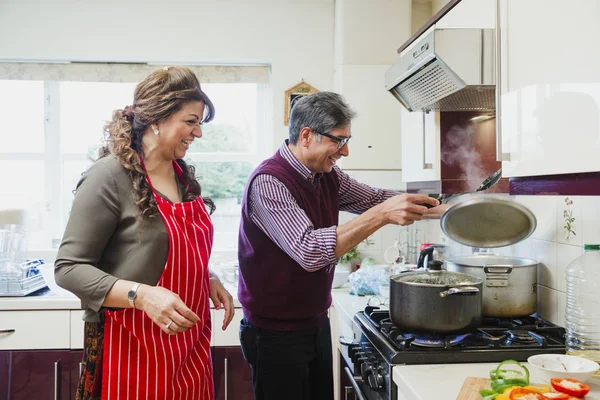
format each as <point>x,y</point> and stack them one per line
<point>275,291</point>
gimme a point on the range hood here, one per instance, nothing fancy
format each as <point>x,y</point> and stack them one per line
<point>446,70</point>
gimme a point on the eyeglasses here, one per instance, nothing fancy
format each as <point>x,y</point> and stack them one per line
<point>378,301</point>
<point>341,141</point>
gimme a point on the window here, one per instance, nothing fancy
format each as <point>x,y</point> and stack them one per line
<point>55,116</point>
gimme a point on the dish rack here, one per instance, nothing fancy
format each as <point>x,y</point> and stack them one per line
<point>21,279</point>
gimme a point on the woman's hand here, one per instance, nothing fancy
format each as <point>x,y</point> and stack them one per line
<point>166,309</point>
<point>221,298</point>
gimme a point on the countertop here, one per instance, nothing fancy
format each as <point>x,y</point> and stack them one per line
<point>414,381</point>
<point>58,298</point>
<point>348,305</point>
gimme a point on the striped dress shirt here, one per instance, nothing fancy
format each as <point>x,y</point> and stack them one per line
<point>275,211</point>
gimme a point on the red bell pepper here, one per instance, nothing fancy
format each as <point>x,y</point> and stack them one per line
<point>556,396</point>
<point>572,387</point>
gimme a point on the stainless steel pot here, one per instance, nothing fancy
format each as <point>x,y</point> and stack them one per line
<point>510,283</point>
<point>435,300</point>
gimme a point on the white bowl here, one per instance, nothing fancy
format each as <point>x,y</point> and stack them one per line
<point>339,278</point>
<point>547,366</point>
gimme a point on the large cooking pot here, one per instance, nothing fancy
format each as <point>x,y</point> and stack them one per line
<point>509,283</point>
<point>434,300</point>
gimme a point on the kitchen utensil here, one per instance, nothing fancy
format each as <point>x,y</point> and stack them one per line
<point>488,222</point>
<point>434,300</point>
<point>485,185</point>
<point>509,283</point>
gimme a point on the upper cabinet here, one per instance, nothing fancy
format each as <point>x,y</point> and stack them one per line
<point>375,140</point>
<point>420,146</point>
<point>550,87</point>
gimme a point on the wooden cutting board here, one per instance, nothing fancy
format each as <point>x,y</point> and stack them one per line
<point>471,387</point>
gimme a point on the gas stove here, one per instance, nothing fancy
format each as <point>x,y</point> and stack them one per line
<point>382,345</point>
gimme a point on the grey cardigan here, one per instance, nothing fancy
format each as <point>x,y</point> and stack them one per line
<point>105,240</point>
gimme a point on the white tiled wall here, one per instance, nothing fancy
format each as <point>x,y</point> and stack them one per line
<point>548,245</point>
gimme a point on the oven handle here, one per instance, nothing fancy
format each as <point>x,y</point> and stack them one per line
<point>353,382</point>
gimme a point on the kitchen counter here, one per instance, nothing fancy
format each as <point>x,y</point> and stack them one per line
<point>58,298</point>
<point>415,381</point>
<point>348,305</point>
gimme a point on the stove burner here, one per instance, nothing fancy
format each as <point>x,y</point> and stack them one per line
<point>436,341</point>
<point>520,336</point>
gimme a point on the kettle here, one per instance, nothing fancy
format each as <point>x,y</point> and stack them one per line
<point>430,253</point>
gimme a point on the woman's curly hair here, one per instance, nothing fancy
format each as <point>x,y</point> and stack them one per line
<point>156,98</point>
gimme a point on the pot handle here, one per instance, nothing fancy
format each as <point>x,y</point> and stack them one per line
<point>468,290</point>
<point>498,268</point>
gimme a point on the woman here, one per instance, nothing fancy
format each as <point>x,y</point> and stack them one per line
<point>136,250</point>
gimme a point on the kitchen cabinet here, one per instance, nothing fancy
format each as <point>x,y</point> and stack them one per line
<point>39,374</point>
<point>376,142</point>
<point>346,390</point>
<point>232,374</point>
<point>420,146</point>
<point>550,87</point>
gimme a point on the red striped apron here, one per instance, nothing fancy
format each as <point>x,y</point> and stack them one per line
<point>140,361</point>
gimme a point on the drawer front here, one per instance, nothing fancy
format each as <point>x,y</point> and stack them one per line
<point>230,336</point>
<point>34,330</point>
<point>77,329</point>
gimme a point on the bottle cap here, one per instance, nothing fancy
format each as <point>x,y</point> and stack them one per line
<point>591,247</point>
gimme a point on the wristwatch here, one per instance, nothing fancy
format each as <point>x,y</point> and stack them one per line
<point>132,294</point>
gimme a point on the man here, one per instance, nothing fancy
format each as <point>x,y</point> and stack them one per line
<point>290,242</point>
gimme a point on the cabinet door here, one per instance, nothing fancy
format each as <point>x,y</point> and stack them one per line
<point>232,374</point>
<point>346,389</point>
<point>39,375</point>
<point>420,146</point>
<point>550,86</point>
<point>76,366</point>
<point>4,374</point>
<point>376,141</point>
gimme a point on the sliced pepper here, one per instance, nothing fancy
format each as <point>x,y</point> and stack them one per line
<point>556,395</point>
<point>572,387</point>
<point>500,385</point>
<point>503,373</point>
<point>525,394</point>
<point>486,392</point>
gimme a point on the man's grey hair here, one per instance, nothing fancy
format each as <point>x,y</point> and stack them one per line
<point>321,111</point>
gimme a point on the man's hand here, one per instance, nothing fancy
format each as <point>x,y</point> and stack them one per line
<point>436,212</point>
<point>221,298</point>
<point>405,209</point>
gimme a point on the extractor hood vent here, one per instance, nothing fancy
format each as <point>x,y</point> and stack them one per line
<point>446,70</point>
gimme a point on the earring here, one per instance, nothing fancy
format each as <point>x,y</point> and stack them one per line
<point>156,131</point>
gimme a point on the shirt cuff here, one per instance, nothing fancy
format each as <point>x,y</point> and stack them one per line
<point>327,240</point>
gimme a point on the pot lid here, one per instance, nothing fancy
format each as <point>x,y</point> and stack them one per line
<point>488,222</point>
<point>436,277</point>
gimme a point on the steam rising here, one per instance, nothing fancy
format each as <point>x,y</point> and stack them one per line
<point>460,151</point>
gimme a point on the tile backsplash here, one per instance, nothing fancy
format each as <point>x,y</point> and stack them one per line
<point>549,244</point>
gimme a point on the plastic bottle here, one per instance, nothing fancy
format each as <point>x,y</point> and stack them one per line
<point>582,314</point>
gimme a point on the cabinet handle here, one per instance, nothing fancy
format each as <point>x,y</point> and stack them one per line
<point>226,379</point>
<point>80,369</point>
<point>56,367</point>
<point>6,331</point>
<point>353,382</point>
<point>500,156</point>
<point>425,164</point>
<point>347,392</point>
